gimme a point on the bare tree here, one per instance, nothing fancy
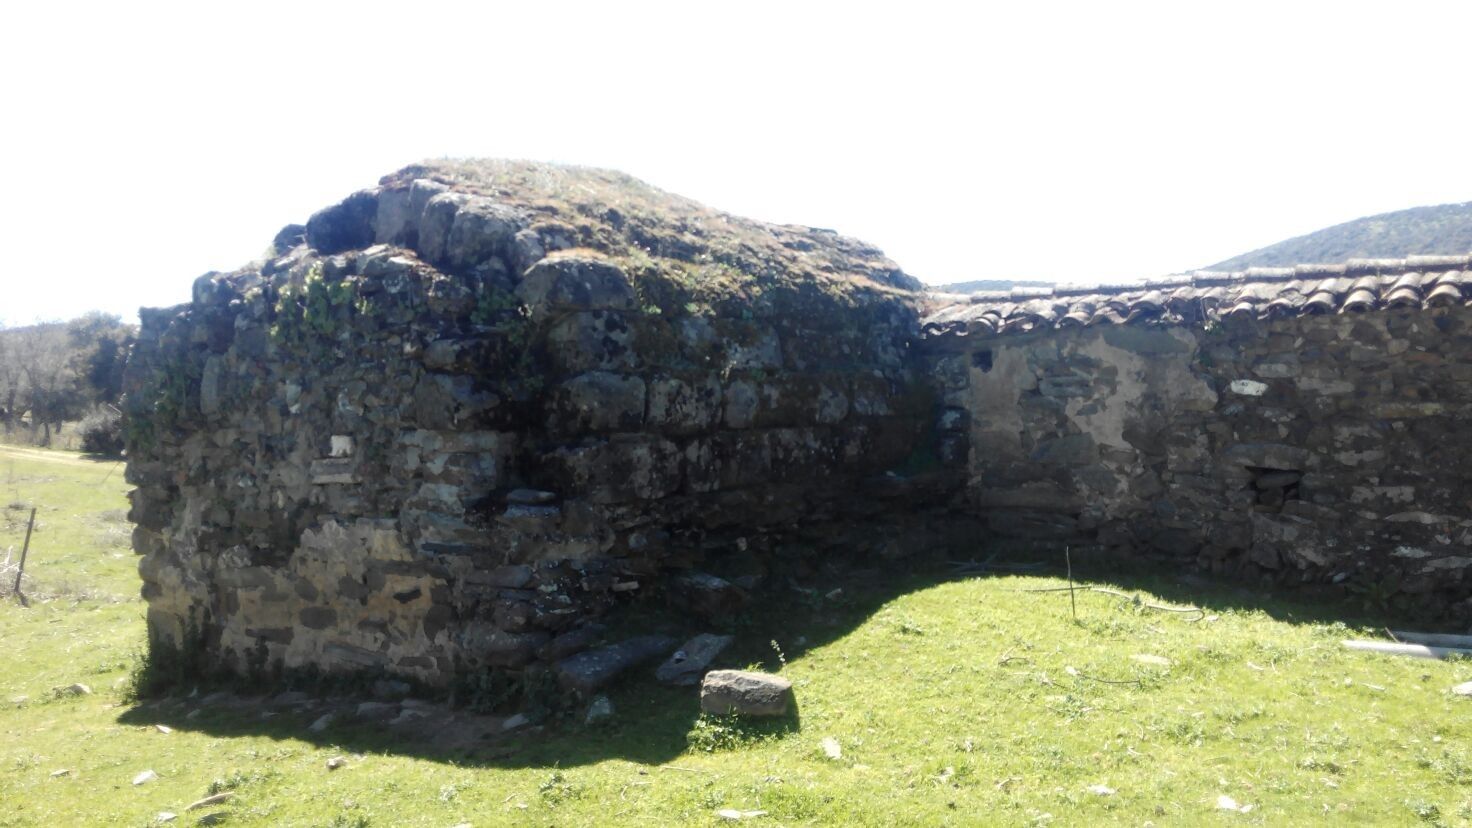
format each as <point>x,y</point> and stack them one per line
<point>52,372</point>
<point>52,390</point>
<point>11,376</point>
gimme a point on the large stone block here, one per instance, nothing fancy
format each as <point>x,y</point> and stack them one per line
<point>483,231</point>
<point>757,348</point>
<point>570,531</point>
<point>742,398</point>
<point>561,285</point>
<point>598,401</point>
<point>435,223</point>
<point>623,468</point>
<point>484,644</point>
<point>396,221</point>
<point>347,225</point>
<point>453,401</point>
<point>1268,455</point>
<point>592,340</point>
<point>679,406</point>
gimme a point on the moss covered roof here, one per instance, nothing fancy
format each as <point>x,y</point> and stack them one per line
<point>678,250</point>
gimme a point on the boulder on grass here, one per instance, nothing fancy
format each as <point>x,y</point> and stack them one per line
<point>743,693</point>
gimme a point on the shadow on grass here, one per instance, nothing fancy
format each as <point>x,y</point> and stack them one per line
<point>1290,603</point>
<point>654,724</point>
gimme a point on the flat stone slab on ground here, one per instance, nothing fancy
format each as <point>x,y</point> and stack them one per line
<point>590,670</point>
<point>687,664</point>
<point>374,711</point>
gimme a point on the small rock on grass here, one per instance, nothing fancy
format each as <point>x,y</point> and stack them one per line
<point>57,774</point>
<point>163,728</point>
<point>144,777</point>
<point>1226,803</point>
<point>77,689</point>
<point>735,815</point>
<point>600,710</point>
<point>831,748</point>
<point>336,762</point>
<point>1102,790</point>
<point>1463,689</point>
<point>322,723</point>
<point>166,816</point>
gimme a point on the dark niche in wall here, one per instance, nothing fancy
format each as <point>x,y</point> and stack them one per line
<point>1274,487</point>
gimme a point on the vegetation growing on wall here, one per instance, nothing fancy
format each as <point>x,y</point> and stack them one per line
<point>312,309</point>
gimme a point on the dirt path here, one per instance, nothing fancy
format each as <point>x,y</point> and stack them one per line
<point>61,458</point>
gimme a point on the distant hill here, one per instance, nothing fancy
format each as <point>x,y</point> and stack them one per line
<point>977,285</point>
<point>1439,229</point>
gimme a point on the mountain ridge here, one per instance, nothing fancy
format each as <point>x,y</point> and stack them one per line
<point>1427,230</point>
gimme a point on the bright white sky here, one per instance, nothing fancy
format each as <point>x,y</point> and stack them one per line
<point>1078,142</point>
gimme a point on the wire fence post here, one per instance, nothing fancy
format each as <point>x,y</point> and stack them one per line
<point>1067,561</point>
<point>26,547</point>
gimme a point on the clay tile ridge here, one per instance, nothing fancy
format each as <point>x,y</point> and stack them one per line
<point>1262,292</point>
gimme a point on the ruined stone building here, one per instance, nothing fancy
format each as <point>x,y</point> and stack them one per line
<point>455,418</point>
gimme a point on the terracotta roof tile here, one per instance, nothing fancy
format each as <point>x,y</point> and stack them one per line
<point>1356,286</point>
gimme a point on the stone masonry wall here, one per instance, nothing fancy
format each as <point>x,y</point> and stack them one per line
<point>424,440</point>
<point>1324,449</point>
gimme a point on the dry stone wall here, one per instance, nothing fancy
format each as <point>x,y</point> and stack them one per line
<point>1327,448</point>
<point>428,437</point>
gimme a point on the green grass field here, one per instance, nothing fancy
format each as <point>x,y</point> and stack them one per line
<point>965,702</point>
